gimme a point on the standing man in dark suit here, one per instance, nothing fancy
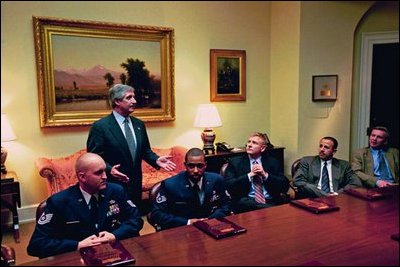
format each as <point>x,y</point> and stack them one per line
<point>191,195</point>
<point>86,214</point>
<point>254,181</point>
<point>122,141</point>
<point>378,164</point>
<point>324,175</point>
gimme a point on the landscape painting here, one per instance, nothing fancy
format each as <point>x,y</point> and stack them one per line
<point>81,82</point>
<point>78,61</point>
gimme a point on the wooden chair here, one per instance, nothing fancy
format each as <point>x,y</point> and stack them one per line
<point>152,197</point>
<point>294,168</point>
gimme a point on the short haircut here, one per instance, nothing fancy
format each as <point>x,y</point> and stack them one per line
<point>194,152</point>
<point>263,136</point>
<point>118,91</point>
<point>335,142</point>
<point>381,128</point>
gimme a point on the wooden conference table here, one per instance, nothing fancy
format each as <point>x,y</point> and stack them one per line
<point>358,234</point>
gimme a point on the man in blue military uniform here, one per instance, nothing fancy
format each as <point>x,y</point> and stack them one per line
<point>191,195</point>
<point>86,214</point>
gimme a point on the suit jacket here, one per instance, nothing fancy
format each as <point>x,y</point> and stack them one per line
<point>66,220</point>
<point>362,164</point>
<point>107,139</point>
<point>177,202</point>
<point>308,174</point>
<point>238,183</point>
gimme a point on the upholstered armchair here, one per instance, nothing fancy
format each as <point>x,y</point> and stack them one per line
<point>152,176</point>
<point>60,172</point>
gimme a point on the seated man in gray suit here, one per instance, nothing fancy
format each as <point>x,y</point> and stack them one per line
<point>378,164</point>
<point>323,174</point>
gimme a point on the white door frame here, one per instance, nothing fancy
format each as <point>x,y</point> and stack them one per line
<point>367,43</point>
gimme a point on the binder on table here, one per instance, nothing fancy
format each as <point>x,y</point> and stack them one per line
<point>315,205</point>
<point>106,254</point>
<point>365,193</point>
<point>219,228</point>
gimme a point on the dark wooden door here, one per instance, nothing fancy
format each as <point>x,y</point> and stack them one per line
<point>385,106</point>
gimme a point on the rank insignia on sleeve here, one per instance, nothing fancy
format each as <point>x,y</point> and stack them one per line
<point>45,218</point>
<point>160,198</point>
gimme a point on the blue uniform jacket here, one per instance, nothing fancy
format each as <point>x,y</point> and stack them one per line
<point>66,220</point>
<point>176,201</point>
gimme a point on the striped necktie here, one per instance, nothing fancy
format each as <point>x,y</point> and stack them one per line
<point>258,188</point>
<point>325,179</point>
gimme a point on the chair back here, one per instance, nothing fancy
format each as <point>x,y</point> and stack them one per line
<point>223,169</point>
<point>152,197</point>
<point>295,166</point>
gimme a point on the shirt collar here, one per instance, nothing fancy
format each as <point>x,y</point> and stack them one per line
<point>256,159</point>
<point>86,195</point>
<point>120,119</point>
<point>200,183</point>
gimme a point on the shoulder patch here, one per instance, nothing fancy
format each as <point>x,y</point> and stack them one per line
<point>160,198</point>
<point>45,218</point>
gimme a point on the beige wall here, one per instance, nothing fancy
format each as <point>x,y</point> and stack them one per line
<point>286,43</point>
<point>199,27</point>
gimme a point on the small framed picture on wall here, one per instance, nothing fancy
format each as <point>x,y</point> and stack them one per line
<point>324,87</point>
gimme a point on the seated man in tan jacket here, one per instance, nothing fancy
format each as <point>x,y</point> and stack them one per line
<point>378,164</point>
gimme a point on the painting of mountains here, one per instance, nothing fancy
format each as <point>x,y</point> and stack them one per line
<point>84,79</point>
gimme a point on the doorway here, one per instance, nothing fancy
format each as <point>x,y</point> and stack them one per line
<point>385,90</point>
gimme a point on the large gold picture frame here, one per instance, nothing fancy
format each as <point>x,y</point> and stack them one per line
<point>77,61</point>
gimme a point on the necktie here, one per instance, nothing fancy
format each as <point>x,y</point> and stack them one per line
<point>196,191</point>
<point>94,210</point>
<point>129,139</point>
<point>383,171</point>
<point>258,188</point>
<point>325,179</point>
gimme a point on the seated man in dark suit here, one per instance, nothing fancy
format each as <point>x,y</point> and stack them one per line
<point>253,180</point>
<point>378,164</point>
<point>191,195</point>
<point>324,175</point>
<point>86,214</point>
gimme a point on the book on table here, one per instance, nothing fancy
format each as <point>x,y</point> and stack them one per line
<point>316,205</point>
<point>106,254</point>
<point>365,193</point>
<point>219,227</point>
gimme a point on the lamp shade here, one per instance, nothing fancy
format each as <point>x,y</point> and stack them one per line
<point>207,116</point>
<point>7,133</point>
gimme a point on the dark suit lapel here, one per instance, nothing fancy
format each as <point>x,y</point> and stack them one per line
<point>81,206</point>
<point>316,170</point>
<point>335,174</point>
<point>245,164</point>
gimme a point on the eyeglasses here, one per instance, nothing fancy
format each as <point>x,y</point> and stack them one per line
<point>193,165</point>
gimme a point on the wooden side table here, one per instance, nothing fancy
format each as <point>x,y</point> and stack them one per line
<point>11,198</point>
